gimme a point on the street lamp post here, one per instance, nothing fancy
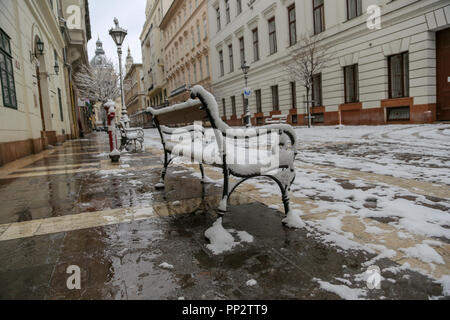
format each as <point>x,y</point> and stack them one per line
<point>118,34</point>
<point>245,68</point>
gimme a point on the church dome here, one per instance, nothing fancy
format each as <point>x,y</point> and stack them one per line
<point>100,57</point>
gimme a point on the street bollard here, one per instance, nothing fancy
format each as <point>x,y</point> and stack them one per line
<point>110,108</point>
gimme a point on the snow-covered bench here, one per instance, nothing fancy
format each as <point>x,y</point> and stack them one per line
<point>216,145</point>
<point>277,119</point>
<point>130,137</point>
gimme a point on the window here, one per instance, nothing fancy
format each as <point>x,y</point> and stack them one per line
<point>293,95</point>
<point>238,6</point>
<point>201,69</point>
<point>205,27</point>
<point>242,50</point>
<point>7,72</point>
<point>275,99</point>
<point>233,105</point>
<point>207,65</point>
<point>222,71</point>
<point>198,34</point>
<point>354,8</point>
<point>61,114</point>
<point>398,114</point>
<point>258,101</point>
<point>317,90</point>
<point>193,38</point>
<point>218,19</point>
<point>292,26</point>
<point>319,16</point>
<point>224,107</point>
<point>351,83</point>
<point>318,118</point>
<point>255,45</point>
<point>227,11</point>
<point>194,66</point>
<point>272,36</point>
<point>230,55</point>
<point>399,75</point>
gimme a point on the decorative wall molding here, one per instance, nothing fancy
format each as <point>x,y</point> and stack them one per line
<point>253,23</point>
<point>438,19</point>
<point>396,47</point>
<point>239,32</point>
<point>269,12</point>
<point>349,59</point>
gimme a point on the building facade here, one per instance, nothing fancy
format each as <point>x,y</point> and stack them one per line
<point>392,72</point>
<point>185,32</point>
<point>39,51</point>
<point>153,67</point>
<point>134,87</point>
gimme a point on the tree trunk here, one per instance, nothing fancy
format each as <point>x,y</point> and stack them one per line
<point>308,110</point>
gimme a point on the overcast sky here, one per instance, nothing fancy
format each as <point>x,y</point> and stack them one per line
<point>131,15</point>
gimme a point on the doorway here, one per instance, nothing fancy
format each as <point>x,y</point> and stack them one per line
<point>443,74</point>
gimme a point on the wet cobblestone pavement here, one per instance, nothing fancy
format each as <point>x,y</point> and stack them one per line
<point>70,206</point>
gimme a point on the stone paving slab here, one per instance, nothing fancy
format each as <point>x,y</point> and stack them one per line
<point>70,206</point>
<point>122,262</point>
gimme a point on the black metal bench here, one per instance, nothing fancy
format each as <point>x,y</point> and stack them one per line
<point>203,107</point>
<point>131,137</point>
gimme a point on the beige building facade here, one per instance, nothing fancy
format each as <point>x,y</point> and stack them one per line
<point>153,67</point>
<point>42,43</point>
<point>185,33</point>
<point>134,87</point>
<point>387,60</point>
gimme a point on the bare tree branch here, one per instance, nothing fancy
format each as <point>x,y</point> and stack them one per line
<point>306,60</point>
<point>98,83</point>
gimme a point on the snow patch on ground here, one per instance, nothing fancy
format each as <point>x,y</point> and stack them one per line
<point>166,266</point>
<point>425,253</point>
<point>342,291</point>
<point>293,220</point>
<point>221,240</point>
<point>251,283</point>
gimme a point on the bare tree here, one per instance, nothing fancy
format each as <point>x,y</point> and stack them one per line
<point>98,83</point>
<point>307,59</point>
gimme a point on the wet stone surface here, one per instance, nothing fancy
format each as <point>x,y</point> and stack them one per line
<point>123,262</point>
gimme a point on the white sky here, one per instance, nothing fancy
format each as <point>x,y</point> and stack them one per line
<point>131,15</point>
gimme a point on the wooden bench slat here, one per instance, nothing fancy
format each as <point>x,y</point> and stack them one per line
<point>188,115</point>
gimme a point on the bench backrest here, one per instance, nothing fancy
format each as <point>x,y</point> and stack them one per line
<point>278,118</point>
<point>183,116</point>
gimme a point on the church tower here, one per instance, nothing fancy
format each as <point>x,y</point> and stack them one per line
<point>129,62</point>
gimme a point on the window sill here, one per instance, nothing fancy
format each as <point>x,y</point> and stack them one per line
<point>350,106</point>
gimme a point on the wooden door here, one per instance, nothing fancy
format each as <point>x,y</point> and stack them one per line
<point>443,74</point>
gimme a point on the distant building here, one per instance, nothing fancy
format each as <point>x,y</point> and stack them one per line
<point>38,103</point>
<point>153,67</point>
<point>134,87</point>
<point>185,34</point>
<point>100,58</point>
<point>395,74</point>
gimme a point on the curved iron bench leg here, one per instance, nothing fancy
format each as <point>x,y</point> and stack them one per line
<point>222,210</point>
<point>160,184</point>
<point>202,170</point>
